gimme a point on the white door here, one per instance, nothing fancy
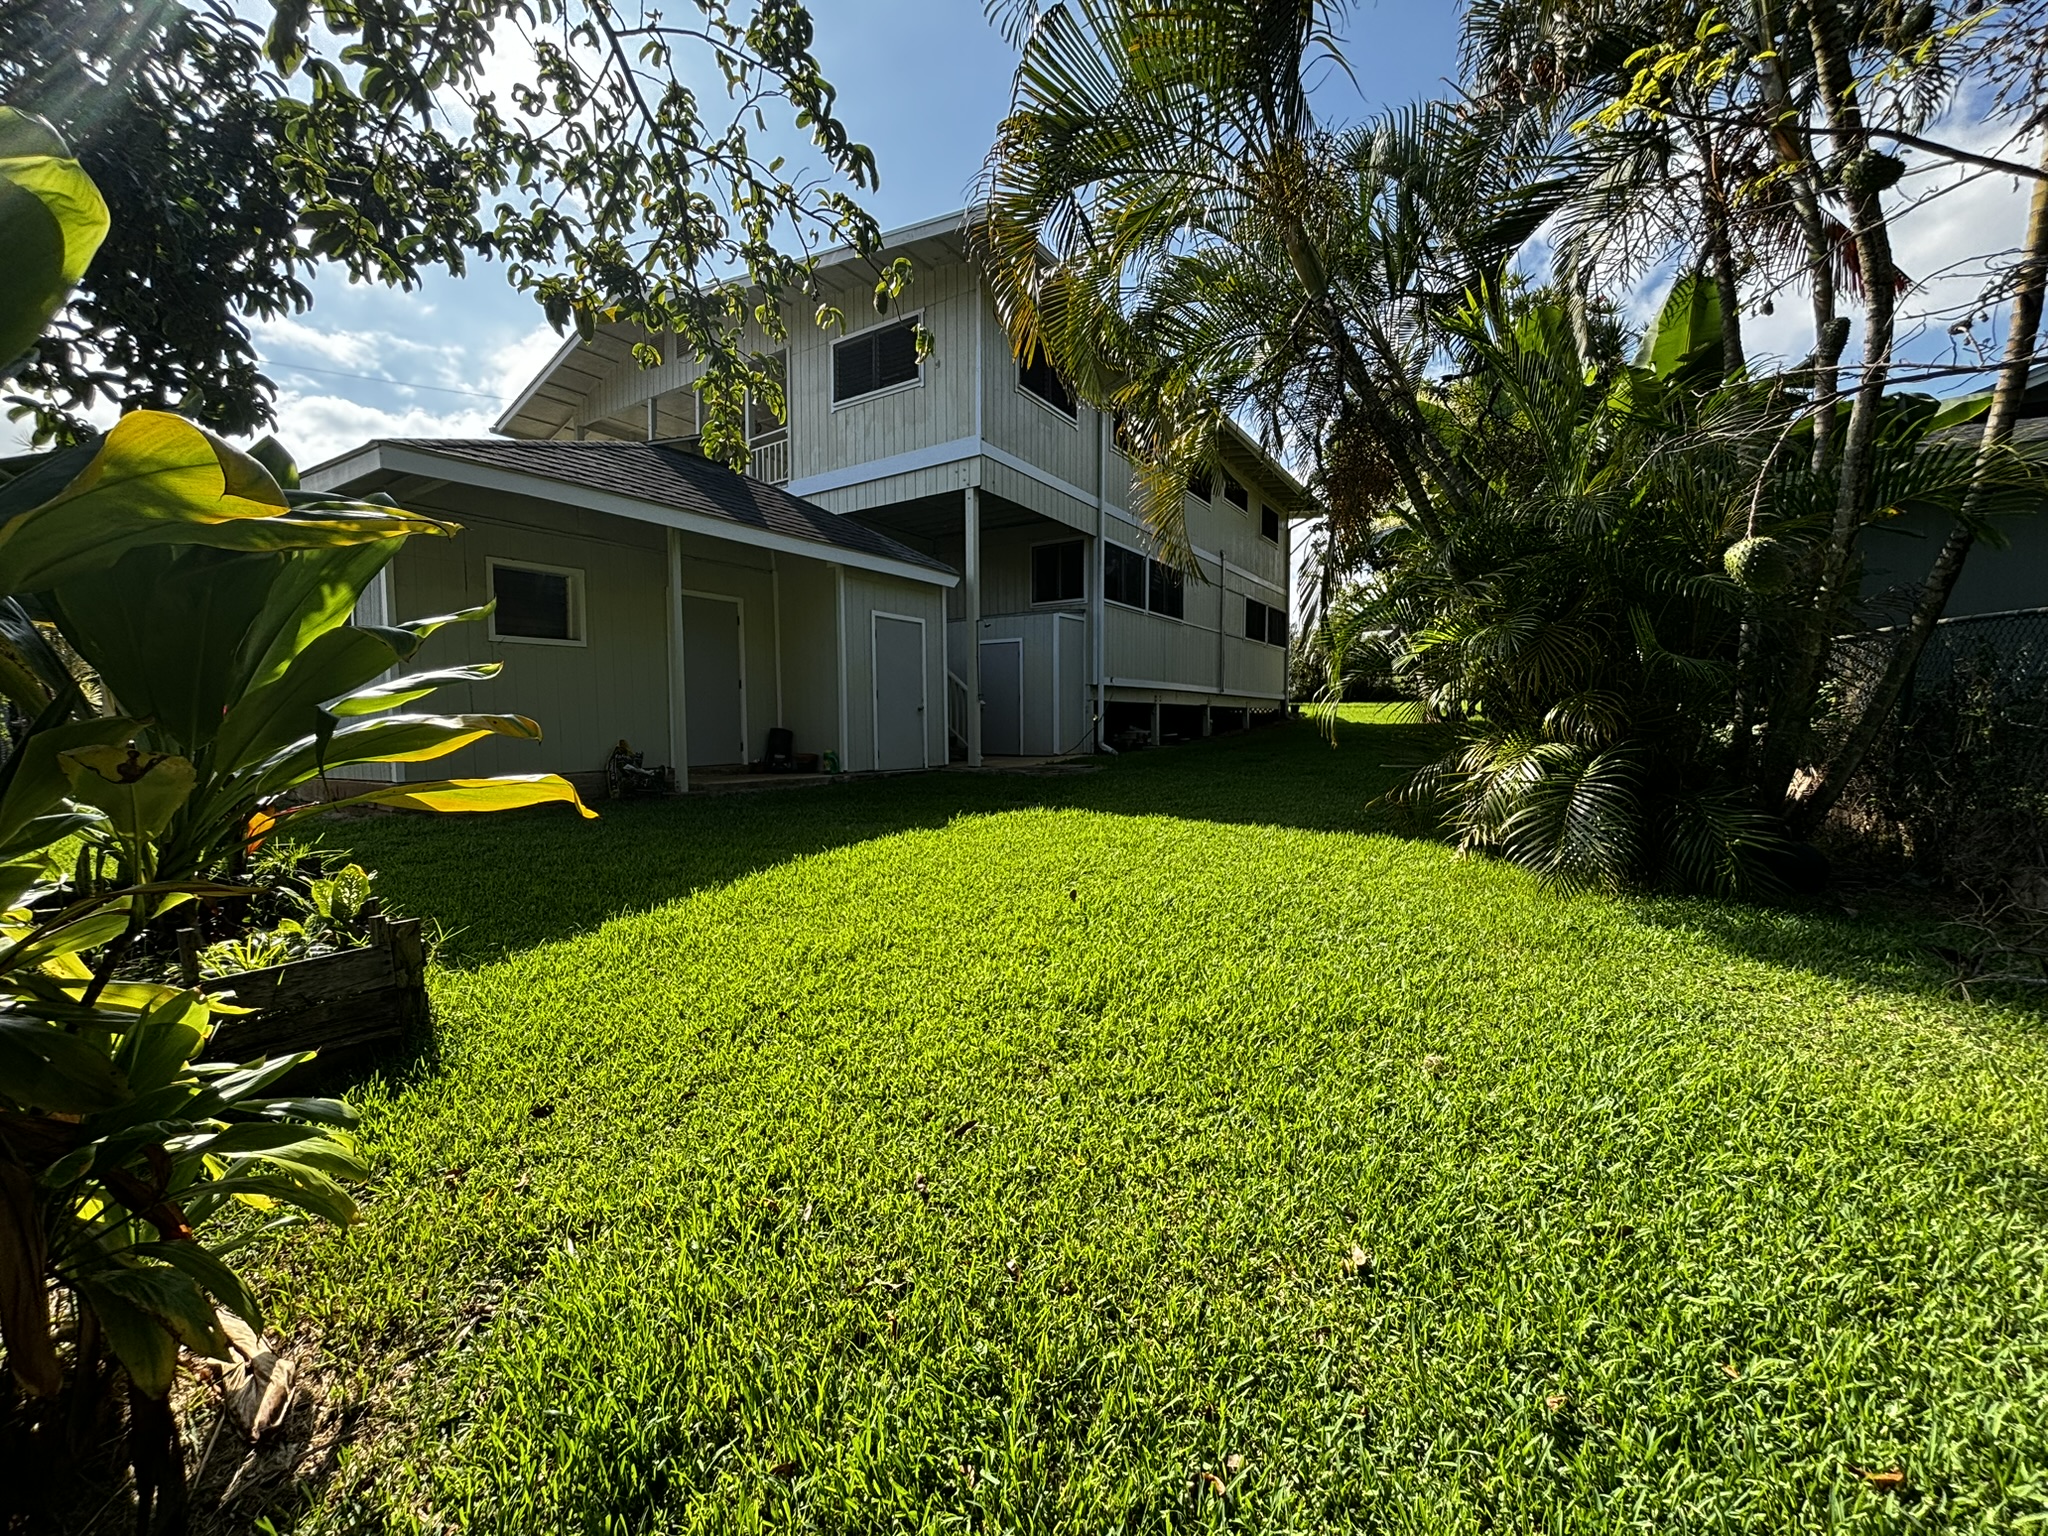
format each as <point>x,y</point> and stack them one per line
<point>1002,698</point>
<point>713,682</point>
<point>899,692</point>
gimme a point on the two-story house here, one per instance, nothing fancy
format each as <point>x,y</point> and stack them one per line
<point>933,558</point>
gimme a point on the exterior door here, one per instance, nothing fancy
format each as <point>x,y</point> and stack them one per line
<point>899,693</point>
<point>1002,698</point>
<point>713,683</point>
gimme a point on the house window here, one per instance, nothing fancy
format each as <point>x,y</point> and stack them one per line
<point>1123,576</point>
<point>1269,525</point>
<point>1037,377</point>
<point>1199,486</point>
<point>540,604</point>
<point>1265,624</point>
<point>1056,572</point>
<point>1166,593</point>
<point>1235,493</point>
<point>1120,434</point>
<point>878,359</point>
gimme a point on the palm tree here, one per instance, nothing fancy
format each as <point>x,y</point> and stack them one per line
<point>1163,217</point>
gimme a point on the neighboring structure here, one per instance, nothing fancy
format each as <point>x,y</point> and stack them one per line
<point>1996,578</point>
<point>891,474</point>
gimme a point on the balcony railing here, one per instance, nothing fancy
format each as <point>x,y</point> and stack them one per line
<point>770,461</point>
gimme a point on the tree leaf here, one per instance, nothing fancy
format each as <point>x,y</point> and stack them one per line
<point>158,479</point>
<point>508,792</point>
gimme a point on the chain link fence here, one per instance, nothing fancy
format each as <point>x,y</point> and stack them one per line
<point>1956,790</point>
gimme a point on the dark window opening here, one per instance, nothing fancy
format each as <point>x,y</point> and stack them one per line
<point>1199,486</point>
<point>1167,592</point>
<point>1265,624</point>
<point>1120,434</point>
<point>1236,494</point>
<point>1056,573</point>
<point>1038,377</point>
<point>532,605</point>
<point>878,359</point>
<point>1123,576</point>
<point>1269,525</point>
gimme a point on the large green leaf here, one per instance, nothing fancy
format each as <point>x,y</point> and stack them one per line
<point>288,708</point>
<point>386,739</point>
<point>52,220</point>
<point>508,792</point>
<point>1687,331</point>
<point>170,1297</point>
<point>393,692</point>
<point>162,628</point>
<point>48,1068</point>
<point>145,1349</point>
<point>158,479</point>
<point>37,784</point>
<point>210,1274</point>
<point>139,791</point>
<point>31,671</point>
<point>317,590</point>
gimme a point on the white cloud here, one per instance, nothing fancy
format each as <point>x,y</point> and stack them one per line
<point>320,427</point>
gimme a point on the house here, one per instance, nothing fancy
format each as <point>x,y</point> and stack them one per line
<point>932,558</point>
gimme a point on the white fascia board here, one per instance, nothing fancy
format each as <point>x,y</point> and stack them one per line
<point>330,475</point>
<point>511,482</point>
<point>538,383</point>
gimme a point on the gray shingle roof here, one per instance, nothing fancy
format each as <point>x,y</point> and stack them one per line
<point>670,477</point>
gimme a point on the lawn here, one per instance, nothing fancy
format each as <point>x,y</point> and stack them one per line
<point>1170,1147</point>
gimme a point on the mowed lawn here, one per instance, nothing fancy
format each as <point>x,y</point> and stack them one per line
<point>1160,1149</point>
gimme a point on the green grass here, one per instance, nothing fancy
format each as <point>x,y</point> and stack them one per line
<point>988,1154</point>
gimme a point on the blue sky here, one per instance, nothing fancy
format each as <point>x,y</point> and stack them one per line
<point>922,82</point>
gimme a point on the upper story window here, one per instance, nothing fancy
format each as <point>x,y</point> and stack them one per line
<point>884,357</point>
<point>1056,572</point>
<point>1038,377</point>
<point>1166,593</point>
<point>1269,525</point>
<point>1123,576</point>
<point>537,604</point>
<point>1199,486</point>
<point>1265,624</point>
<point>1235,493</point>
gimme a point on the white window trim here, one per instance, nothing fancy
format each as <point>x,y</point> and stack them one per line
<point>914,319</point>
<point>1032,576</point>
<point>579,611</point>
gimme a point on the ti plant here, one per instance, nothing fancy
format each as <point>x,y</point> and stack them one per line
<point>175,620</point>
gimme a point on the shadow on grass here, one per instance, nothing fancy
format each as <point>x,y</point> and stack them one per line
<point>495,885</point>
<point>500,884</point>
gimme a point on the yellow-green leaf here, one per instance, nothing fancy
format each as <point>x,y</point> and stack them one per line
<point>139,791</point>
<point>159,479</point>
<point>509,792</point>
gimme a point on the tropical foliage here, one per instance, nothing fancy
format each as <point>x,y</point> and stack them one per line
<point>175,624</point>
<point>244,149</point>
<point>1619,585</point>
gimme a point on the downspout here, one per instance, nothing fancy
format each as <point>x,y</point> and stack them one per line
<point>678,695</point>
<point>775,608</point>
<point>1095,611</point>
<point>839,631</point>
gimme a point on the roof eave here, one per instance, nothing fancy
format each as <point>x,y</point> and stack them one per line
<point>390,458</point>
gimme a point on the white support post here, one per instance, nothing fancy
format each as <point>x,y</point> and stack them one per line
<point>678,697</point>
<point>1095,585</point>
<point>970,588</point>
